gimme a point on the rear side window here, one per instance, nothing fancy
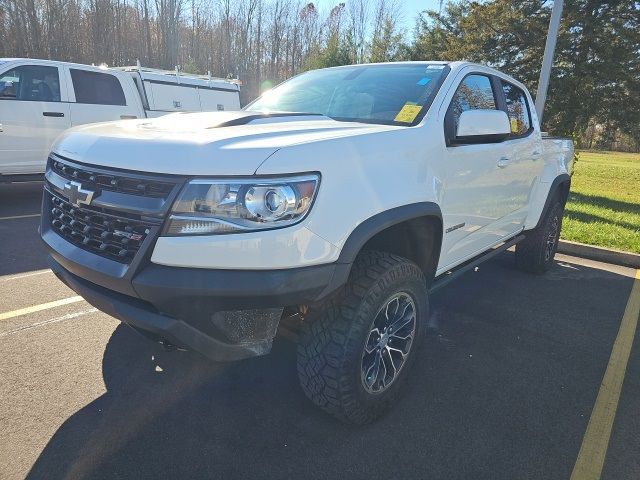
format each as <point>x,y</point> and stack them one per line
<point>517,109</point>
<point>36,83</point>
<point>97,88</point>
<point>474,93</point>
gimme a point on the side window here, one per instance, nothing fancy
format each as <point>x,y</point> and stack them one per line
<point>517,109</point>
<point>97,88</point>
<point>31,82</point>
<point>474,93</point>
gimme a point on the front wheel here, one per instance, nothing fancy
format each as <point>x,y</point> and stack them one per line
<point>355,355</point>
<point>536,252</point>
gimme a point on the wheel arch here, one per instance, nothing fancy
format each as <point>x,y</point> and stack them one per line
<point>412,231</point>
<point>559,187</point>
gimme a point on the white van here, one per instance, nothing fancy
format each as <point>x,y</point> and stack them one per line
<point>41,98</point>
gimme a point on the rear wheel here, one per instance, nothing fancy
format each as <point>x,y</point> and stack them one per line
<point>355,354</point>
<point>536,252</point>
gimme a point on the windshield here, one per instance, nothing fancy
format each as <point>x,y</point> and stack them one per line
<point>393,94</point>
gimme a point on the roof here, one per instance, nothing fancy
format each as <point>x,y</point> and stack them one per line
<point>41,61</point>
<point>146,73</point>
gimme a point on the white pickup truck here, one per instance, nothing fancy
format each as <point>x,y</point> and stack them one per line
<point>340,199</point>
<point>39,99</point>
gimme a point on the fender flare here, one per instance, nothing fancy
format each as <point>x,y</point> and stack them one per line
<point>563,178</point>
<point>366,230</point>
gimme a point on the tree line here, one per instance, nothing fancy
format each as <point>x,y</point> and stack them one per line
<point>594,93</point>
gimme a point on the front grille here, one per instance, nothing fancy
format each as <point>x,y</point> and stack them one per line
<point>112,181</point>
<point>111,236</point>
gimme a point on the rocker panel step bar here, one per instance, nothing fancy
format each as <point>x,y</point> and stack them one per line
<point>448,277</point>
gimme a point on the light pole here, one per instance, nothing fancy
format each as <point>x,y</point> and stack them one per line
<point>547,61</point>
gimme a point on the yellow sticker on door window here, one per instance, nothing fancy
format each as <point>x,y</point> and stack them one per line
<point>408,113</point>
<point>514,125</point>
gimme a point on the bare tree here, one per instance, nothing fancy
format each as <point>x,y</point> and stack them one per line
<point>359,19</point>
<point>169,15</point>
<point>385,37</point>
<point>259,41</point>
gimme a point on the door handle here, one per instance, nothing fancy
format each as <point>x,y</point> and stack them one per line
<point>127,117</point>
<point>53,114</point>
<point>1,130</point>
<point>503,162</point>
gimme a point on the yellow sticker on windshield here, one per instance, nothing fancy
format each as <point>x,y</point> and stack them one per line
<point>408,113</point>
<point>514,125</point>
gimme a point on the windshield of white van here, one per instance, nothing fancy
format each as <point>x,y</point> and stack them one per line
<point>392,94</point>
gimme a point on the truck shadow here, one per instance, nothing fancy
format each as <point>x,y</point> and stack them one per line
<point>498,378</point>
<point>176,415</point>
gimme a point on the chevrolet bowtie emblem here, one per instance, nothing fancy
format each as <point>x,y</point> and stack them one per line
<point>78,195</point>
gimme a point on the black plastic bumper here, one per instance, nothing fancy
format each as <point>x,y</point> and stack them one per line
<point>224,315</point>
<point>142,317</point>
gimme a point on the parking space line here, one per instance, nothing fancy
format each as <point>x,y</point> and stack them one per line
<point>16,217</point>
<point>25,275</point>
<point>596,438</point>
<point>68,316</point>
<point>38,308</point>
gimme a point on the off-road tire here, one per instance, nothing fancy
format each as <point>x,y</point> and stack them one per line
<point>535,253</point>
<point>332,342</point>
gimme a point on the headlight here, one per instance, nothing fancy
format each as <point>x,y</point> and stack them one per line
<point>229,206</point>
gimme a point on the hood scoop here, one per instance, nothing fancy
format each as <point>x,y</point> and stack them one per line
<point>189,122</point>
<point>250,117</point>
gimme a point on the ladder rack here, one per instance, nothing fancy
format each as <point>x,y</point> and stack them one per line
<point>175,73</point>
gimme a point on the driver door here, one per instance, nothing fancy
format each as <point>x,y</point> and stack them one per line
<point>477,201</point>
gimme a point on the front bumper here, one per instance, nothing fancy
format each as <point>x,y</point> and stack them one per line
<point>224,315</point>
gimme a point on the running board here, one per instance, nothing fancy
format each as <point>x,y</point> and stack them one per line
<point>451,275</point>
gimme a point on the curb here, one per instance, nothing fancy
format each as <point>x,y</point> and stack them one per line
<point>600,254</point>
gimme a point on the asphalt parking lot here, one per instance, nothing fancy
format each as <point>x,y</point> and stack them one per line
<point>504,388</point>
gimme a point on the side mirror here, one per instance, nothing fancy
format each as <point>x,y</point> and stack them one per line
<point>482,126</point>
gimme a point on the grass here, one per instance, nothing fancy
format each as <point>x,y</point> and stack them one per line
<point>604,203</point>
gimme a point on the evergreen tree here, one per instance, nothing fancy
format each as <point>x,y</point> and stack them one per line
<point>596,74</point>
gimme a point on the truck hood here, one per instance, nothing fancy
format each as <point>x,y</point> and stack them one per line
<point>205,143</point>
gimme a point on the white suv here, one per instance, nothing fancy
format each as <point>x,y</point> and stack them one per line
<point>341,198</point>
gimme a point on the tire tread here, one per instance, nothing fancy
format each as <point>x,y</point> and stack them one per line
<point>327,338</point>
<point>529,252</point>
